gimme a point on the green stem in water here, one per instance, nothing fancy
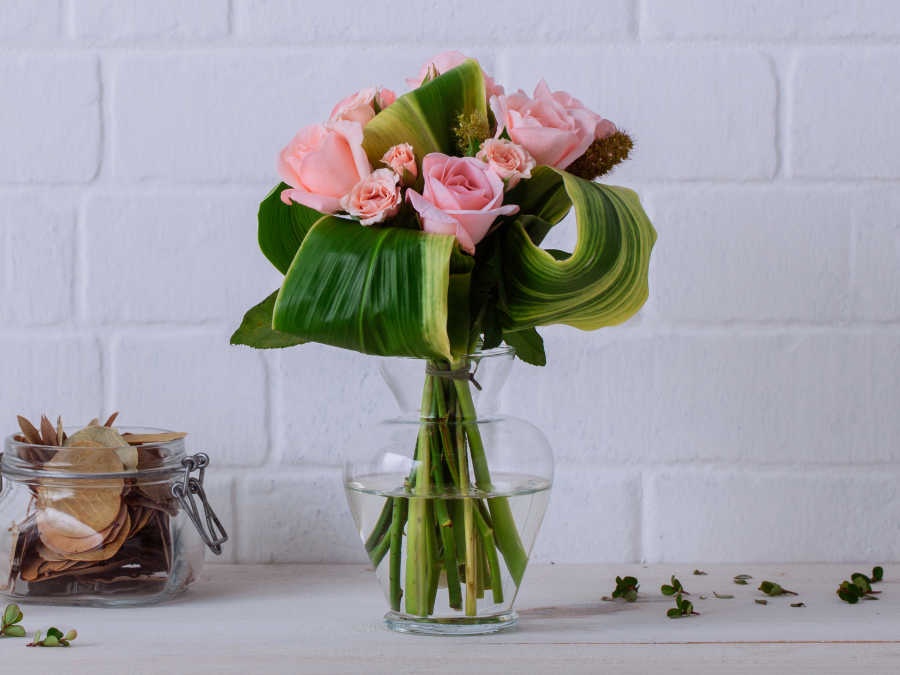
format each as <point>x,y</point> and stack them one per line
<point>381,527</point>
<point>505,531</point>
<point>445,525</point>
<point>487,535</point>
<point>418,561</point>
<point>398,520</point>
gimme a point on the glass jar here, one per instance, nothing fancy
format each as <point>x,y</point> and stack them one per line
<point>448,498</point>
<point>77,529</point>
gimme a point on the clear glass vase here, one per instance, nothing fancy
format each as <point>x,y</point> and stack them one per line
<point>451,496</point>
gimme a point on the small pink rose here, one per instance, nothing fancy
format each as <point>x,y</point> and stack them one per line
<point>462,196</point>
<point>401,158</point>
<point>554,127</point>
<point>322,163</point>
<point>375,198</point>
<point>445,61</point>
<point>360,107</point>
<point>509,160</point>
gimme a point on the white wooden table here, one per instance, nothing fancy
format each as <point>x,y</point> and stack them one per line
<point>327,619</point>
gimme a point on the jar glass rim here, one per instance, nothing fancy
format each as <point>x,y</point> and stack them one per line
<point>24,459</point>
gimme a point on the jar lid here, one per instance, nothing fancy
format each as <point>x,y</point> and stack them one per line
<point>25,460</point>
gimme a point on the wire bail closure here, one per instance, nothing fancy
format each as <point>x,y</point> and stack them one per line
<point>213,534</point>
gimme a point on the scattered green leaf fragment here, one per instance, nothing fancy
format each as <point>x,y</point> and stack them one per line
<point>772,589</point>
<point>797,604</point>
<point>723,596</point>
<point>682,608</point>
<point>54,638</point>
<point>761,601</point>
<point>742,576</point>
<point>626,588</point>
<point>9,627</point>
<point>740,582</point>
<point>673,588</point>
<point>702,597</point>
<point>858,588</point>
<point>877,574</point>
<point>699,573</point>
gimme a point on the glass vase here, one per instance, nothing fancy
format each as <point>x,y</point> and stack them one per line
<point>450,499</point>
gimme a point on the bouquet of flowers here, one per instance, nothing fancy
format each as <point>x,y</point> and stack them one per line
<point>412,226</point>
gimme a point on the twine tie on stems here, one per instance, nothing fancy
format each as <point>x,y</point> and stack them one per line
<point>457,374</point>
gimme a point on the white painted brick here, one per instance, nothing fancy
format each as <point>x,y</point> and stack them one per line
<point>584,493</point>
<point>752,253</point>
<point>332,401</point>
<point>296,517</point>
<point>37,239</point>
<point>194,383</point>
<point>50,119</point>
<point>498,22</point>
<point>786,516</point>
<point>695,113</point>
<point>200,101</point>
<point>732,398</point>
<point>29,20</point>
<point>220,491</point>
<point>53,376</point>
<point>117,21</point>
<point>876,253</point>
<point>770,19</point>
<point>174,257</point>
<point>843,119</point>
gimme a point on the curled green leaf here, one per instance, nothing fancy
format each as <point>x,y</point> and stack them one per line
<point>877,573</point>
<point>761,601</point>
<point>14,631</point>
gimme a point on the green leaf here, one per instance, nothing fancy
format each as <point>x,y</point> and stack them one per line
<point>761,601</point>
<point>667,590</point>
<point>426,117</point>
<point>282,227</point>
<point>740,582</point>
<point>256,328</point>
<point>673,613</point>
<point>50,641</point>
<point>14,631</point>
<point>37,637</point>
<point>544,197</point>
<point>603,282</point>
<point>877,573</point>
<point>723,596</point>
<point>630,595</point>
<point>54,632</point>
<point>11,615</point>
<point>374,290</point>
<point>529,345</point>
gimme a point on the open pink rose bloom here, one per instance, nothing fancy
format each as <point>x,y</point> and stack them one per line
<point>554,127</point>
<point>322,164</point>
<point>463,196</point>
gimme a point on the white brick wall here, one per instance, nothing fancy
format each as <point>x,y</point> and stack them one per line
<point>749,412</point>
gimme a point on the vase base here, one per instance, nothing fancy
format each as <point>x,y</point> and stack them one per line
<point>463,625</point>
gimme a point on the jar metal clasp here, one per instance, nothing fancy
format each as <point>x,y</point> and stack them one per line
<point>212,533</point>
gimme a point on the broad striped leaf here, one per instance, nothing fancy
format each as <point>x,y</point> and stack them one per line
<point>374,290</point>
<point>602,283</point>
<point>282,227</point>
<point>426,117</point>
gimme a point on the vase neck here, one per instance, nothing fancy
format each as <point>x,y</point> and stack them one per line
<point>484,373</point>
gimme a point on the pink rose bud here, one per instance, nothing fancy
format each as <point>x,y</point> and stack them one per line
<point>322,164</point>
<point>462,196</point>
<point>375,198</point>
<point>360,107</point>
<point>445,61</point>
<point>401,158</point>
<point>509,160</point>
<point>553,126</point>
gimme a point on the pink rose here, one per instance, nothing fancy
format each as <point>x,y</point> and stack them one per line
<point>374,198</point>
<point>360,107</point>
<point>322,164</point>
<point>509,160</point>
<point>447,61</point>
<point>553,126</point>
<point>401,158</point>
<point>462,197</point>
